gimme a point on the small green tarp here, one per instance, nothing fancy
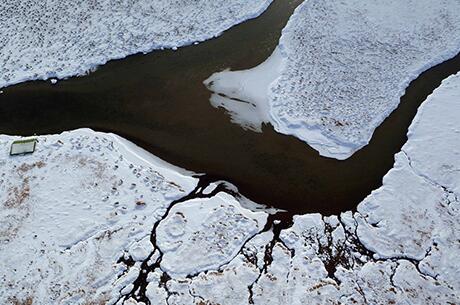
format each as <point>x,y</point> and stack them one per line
<point>20,147</point>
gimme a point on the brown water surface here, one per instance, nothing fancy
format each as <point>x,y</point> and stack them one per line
<point>159,102</point>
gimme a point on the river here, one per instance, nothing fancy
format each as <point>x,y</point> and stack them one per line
<point>158,101</point>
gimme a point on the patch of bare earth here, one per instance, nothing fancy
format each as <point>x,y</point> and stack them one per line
<point>17,195</point>
<point>16,301</point>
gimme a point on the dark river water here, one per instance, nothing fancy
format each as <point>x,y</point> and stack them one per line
<point>159,102</point>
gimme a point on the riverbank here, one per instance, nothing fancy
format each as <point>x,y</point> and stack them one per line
<point>57,40</point>
<point>341,68</point>
<point>96,219</point>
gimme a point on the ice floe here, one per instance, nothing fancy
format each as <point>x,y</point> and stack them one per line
<point>344,66</point>
<point>58,39</point>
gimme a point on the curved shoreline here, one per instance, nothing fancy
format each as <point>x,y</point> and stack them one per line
<point>335,77</point>
<point>158,101</point>
<point>76,42</point>
<point>138,230</point>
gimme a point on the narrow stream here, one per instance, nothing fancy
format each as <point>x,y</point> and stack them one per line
<point>159,102</point>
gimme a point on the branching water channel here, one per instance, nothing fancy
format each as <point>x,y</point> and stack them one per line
<point>159,102</point>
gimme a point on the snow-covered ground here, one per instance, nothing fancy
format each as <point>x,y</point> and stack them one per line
<point>344,66</point>
<point>70,210</point>
<point>55,38</point>
<point>244,94</point>
<point>90,218</point>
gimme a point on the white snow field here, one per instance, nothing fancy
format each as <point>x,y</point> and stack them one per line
<point>71,209</point>
<point>208,232</point>
<point>59,39</point>
<point>85,199</point>
<point>344,66</point>
<point>244,94</point>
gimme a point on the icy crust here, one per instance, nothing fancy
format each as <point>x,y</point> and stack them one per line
<point>59,39</point>
<point>244,93</point>
<point>344,67</point>
<point>203,234</point>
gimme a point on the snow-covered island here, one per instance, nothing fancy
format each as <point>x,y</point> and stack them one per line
<point>90,218</point>
<point>59,39</point>
<point>340,69</point>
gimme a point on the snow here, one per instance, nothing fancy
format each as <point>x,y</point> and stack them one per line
<point>437,142</point>
<point>421,222</point>
<point>75,212</point>
<point>58,39</point>
<point>250,87</point>
<point>400,247</point>
<point>156,294</point>
<point>68,212</point>
<point>344,66</point>
<point>415,206</point>
<point>141,250</point>
<point>202,234</point>
<point>228,286</point>
<point>90,218</point>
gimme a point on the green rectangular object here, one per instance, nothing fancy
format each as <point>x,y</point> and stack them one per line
<point>21,147</point>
